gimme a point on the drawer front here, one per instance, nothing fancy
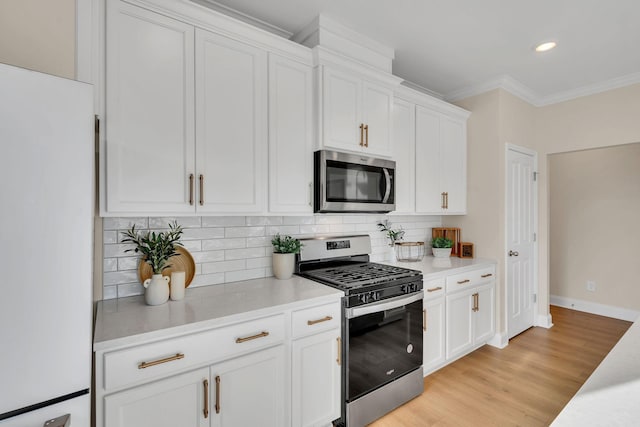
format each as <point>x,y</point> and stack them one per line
<point>147,362</point>
<point>470,278</point>
<point>434,288</point>
<point>316,319</point>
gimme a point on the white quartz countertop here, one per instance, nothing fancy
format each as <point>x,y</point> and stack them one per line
<point>124,321</point>
<point>435,267</point>
<point>611,395</point>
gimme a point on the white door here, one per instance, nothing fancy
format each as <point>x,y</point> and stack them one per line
<point>249,390</point>
<point>403,141</point>
<point>460,323</point>
<point>434,351</point>
<point>484,314</point>
<point>172,402</point>
<point>453,161</point>
<point>341,115</point>
<point>520,239</point>
<point>377,104</point>
<point>428,184</point>
<point>150,112</point>
<point>231,124</point>
<point>290,136</point>
<point>316,371</point>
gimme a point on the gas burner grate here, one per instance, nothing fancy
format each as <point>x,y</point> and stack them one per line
<point>354,275</point>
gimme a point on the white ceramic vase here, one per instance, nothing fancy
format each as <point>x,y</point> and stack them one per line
<point>156,289</point>
<point>283,265</point>
<point>441,252</point>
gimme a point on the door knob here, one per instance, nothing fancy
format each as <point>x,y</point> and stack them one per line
<point>513,253</point>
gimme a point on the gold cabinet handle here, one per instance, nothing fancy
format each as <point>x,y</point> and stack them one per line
<point>486,275</point>
<point>460,282</point>
<point>324,319</point>
<point>362,134</point>
<point>191,189</point>
<point>434,289</point>
<point>201,189</point>
<point>366,135</point>
<point>442,200</point>
<point>144,365</point>
<point>446,200</point>
<point>475,302</point>
<point>252,337</point>
<point>206,398</point>
<point>217,394</point>
<point>339,358</point>
<point>424,320</point>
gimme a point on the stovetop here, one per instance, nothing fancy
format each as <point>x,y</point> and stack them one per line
<point>347,277</point>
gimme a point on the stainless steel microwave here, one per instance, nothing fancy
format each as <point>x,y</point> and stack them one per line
<point>353,183</point>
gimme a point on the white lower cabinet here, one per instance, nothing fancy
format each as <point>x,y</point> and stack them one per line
<point>434,334</point>
<point>249,390</point>
<point>176,401</point>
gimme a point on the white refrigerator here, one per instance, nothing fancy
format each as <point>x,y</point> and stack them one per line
<point>46,248</point>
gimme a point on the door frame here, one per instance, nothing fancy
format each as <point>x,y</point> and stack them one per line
<point>534,154</point>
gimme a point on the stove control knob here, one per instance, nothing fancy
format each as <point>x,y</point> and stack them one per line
<point>363,298</point>
<point>376,296</point>
<point>404,289</point>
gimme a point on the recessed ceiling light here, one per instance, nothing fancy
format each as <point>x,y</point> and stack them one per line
<point>543,47</point>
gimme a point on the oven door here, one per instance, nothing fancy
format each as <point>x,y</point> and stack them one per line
<point>384,342</point>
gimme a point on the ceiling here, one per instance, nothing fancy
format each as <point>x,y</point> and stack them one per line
<point>458,48</point>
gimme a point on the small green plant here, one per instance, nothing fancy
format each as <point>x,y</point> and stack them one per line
<point>393,235</point>
<point>285,244</point>
<point>157,248</point>
<point>441,242</point>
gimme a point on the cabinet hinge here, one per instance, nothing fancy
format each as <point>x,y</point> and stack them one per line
<point>535,176</point>
<point>535,297</point>
<point>96,138</point>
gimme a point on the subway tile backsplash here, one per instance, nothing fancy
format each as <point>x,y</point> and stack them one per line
<point>235,248</point>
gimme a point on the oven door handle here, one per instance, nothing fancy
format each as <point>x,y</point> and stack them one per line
<point>388,304</point>
<point>387,190</point>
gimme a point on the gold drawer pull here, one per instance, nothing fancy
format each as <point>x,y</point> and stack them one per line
<point>217,394</point>
<point>143,365</point>
<point>206,398</point>
<point>324,319</point>
<point>434,289</point>
<point>460,282</point>
<point>339,359</point>
<point>252,337</point>
<point>486,275</point>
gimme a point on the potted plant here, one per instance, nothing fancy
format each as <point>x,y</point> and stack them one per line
<point>157,249</point>
<point>285,249</point>
<point>441,247</point>
<point>393,235</point>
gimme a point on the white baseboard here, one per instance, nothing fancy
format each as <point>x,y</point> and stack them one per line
<point>544,321</point>
<point>595,308</point>
<point>499,340</point>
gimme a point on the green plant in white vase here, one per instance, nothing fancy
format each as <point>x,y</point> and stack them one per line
<point>441,247</point>
<point>157,249</point>
<point>285,249</point>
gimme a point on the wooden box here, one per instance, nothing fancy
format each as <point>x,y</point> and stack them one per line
<point>465,250</point>
<point>449,233</point>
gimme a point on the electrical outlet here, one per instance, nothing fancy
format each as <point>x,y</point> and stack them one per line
<point>591,286</point>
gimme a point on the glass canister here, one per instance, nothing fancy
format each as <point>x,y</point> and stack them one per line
<point>409,251</point>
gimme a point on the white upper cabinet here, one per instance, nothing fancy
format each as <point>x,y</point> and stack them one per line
<point>356,113</point>
<point>231,124</point>
<point>290,135</point>
<point>149,149</point>
<point>428,163</point>
<point>405,155</point>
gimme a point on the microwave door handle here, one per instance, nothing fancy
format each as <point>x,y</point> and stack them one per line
<point>387,190</point>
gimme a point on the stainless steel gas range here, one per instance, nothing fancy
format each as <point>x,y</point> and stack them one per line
<point>382,325</point>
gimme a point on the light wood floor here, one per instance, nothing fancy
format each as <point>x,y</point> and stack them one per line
<point>525,384</point>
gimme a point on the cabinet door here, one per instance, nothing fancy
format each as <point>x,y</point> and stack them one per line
<point>404,153</point>
<point>316,379</point>
<point>149,112</point>
<point>341,115</point>
<point>428,187</point>
<point>377,105</point>
<point>290,136</point>
<point>460,325</point>
<point>434,339</point>
<point>175,401</point>
<point>231,126</point>
<point>250,390</point>
<point>485,316</point>
<point>453,145</point>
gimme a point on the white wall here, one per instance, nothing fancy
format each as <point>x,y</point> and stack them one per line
<point>39,35</point>
<point>233,248</point>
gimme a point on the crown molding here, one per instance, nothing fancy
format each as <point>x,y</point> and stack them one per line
<point>523,92</point>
